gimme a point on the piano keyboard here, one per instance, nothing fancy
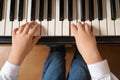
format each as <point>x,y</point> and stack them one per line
<point>56,16</point>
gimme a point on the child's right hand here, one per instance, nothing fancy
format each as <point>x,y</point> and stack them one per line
<point>86,43</point>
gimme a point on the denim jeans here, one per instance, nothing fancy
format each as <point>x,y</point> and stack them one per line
<point>54,68</point>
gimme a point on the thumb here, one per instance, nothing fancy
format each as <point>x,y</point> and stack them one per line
<point>35,40</point>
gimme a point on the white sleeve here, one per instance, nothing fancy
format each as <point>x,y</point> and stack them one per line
<point>9,72</point>
<point>101,71</point>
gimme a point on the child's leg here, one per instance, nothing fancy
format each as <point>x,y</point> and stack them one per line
<point>79,70</point>
<point>54,68</point>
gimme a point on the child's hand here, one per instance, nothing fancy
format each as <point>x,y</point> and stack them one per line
<point>23,42</point>
<point>86,43</point>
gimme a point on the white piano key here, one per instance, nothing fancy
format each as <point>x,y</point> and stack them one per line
<point>110,23</point>
<point>44,28</point>
<point>95,22</point>
<point>16,22</point>
<point>37,17</point>
<point>51,28</point>
<point>74,21</point>
<point>66,23</point>
<point>9,24</point>
<point>2,23</point>
<point>25,10</point>
<point>66,27</point>
<point>78,11</point>
<point>59,26</point>
<point>117,21</point>
<point>29,10</point>
<point>87,13</point>
<point>103,24</point>
<point>37,12</point>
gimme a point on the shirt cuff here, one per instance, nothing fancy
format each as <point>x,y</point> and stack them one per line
<point>10,69</point>
<point>99,69</point>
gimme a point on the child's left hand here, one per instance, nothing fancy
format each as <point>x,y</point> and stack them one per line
<point>23,42</point>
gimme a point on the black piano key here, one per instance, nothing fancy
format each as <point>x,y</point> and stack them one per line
<point>33,7</point>
<point>49,10</point>
<point>1,9</point>
<point>113,9</point>
<point>100,10</point>
<point>91,10</point>
<point>20,13</point>
<point>41,10</point>
<point>61,10</point>
<point>12,10</point>
<point>82,3</point>
<point>70,9</point>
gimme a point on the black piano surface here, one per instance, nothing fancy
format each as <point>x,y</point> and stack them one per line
<point>66,40</point>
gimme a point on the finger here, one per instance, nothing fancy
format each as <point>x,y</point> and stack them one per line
<point>14,32</point>
<point>28,26</point>
<point>35,40</point>
<point>80,26</point>
<point>22,28</point>
<point>74,29</point>
<point>87,28</point>
<point>34,30</point>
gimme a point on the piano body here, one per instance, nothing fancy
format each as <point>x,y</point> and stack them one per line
<point>55,16</point>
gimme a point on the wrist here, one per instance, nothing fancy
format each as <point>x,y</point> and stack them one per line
<point>15,58</point>
<point>92,57</point>
<point>15,61</point>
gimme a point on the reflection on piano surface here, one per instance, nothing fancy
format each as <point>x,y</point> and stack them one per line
<point>55,16</point>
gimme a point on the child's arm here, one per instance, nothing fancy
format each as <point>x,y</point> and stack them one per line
<point>86,45</point>
<point>22,44</point>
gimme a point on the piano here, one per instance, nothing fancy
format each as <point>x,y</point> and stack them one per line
<point>55,16</point>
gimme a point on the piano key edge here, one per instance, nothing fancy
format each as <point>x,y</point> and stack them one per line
<point>66,40</point>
